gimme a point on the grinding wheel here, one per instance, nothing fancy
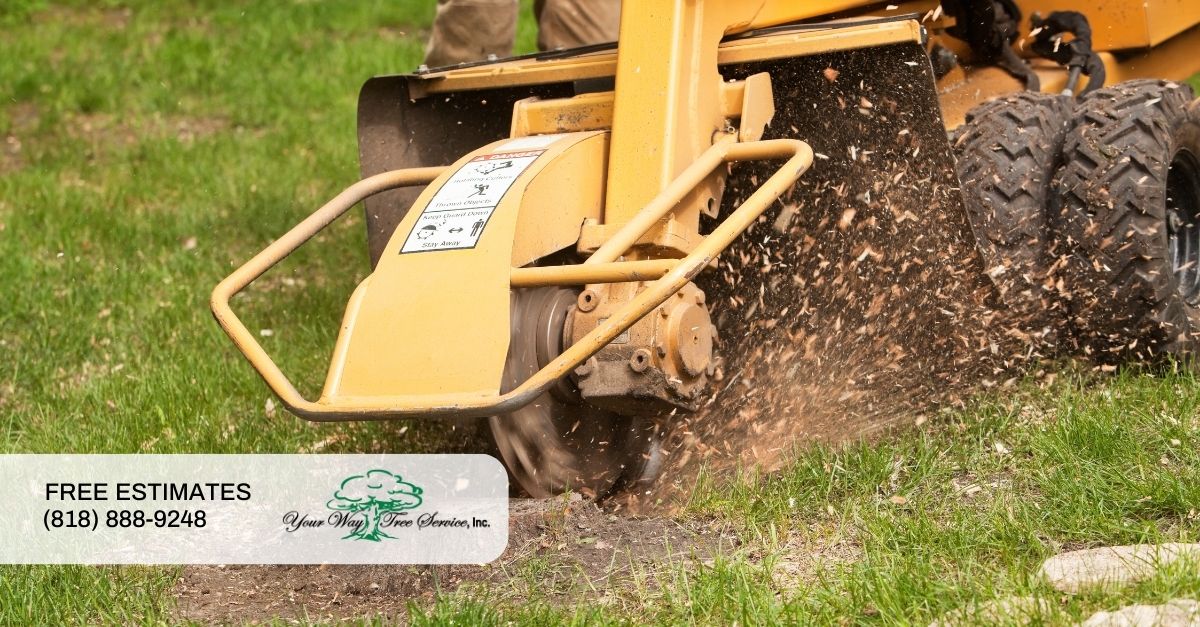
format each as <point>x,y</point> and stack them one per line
<point>558,442</point>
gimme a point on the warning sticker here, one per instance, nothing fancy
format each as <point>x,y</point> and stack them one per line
<point>458,214</point>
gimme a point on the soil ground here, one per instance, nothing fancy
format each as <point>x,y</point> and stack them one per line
<point>567,541</point>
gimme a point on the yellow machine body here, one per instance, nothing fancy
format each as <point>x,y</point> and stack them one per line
<point>621,178</point>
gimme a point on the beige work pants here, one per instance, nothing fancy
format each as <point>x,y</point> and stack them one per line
<point>471,30</point>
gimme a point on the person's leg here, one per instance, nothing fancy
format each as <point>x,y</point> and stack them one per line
<point>470,30</point>
<point>574,23</point>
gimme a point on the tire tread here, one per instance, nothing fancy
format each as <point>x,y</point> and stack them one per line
<point>1112,221</point>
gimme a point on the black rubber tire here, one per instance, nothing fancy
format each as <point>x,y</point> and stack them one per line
<point>1008,151</point>
<point>1126,298</point>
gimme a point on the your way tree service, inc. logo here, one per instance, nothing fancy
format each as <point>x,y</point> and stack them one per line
<point>378,496</point>
<point>367,505</point>
<point>379,505</point>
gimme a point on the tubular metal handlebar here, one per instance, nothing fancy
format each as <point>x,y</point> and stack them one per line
<point>601,267</point>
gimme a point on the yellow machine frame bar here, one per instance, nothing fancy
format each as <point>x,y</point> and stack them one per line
<point>674,275</point>
<point>604,64</point>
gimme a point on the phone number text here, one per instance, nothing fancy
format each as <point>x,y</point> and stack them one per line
<point>123,519</point>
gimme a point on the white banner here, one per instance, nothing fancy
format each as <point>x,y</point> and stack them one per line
<point>252,509</point>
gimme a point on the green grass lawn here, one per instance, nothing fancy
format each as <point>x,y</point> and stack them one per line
<point>960,512</point>
<point>149,147</point>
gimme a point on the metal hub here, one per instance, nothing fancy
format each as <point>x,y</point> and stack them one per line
<point>1183,224</point>
<point>663,363</point>
<point>558,442</point>
<point>690,333</point>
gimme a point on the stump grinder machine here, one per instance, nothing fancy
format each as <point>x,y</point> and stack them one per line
<point>584,245</point>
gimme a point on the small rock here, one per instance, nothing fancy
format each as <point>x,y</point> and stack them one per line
<point>1007,611</point>
<point>1111,566</point>
<point>1177,613</point>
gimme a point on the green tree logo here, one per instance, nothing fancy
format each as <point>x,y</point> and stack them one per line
<point>374,494</point>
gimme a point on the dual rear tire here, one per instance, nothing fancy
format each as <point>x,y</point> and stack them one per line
<point>1130,221</point>
<point>1008,152</point>
<point>1106,250</point>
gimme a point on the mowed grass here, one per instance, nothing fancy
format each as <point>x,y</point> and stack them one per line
<point>961,511</point>
<point>148,148</point>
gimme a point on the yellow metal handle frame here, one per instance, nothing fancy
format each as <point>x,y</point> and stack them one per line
<point>670,275</point>
<point>280,249</point>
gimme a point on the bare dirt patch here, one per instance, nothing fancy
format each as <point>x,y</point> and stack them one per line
<point>555,546</point>
<point>809,552</point>
<point>10,155</point>
<point>23,121</point>
<point>104,131</point>
<point>115,19</point>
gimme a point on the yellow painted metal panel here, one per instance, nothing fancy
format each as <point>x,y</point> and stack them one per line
<point>1124,24</point>
<point>775,12</point>
<point>435,322</point>
<point>567,191</point>
<point>585,112</point>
